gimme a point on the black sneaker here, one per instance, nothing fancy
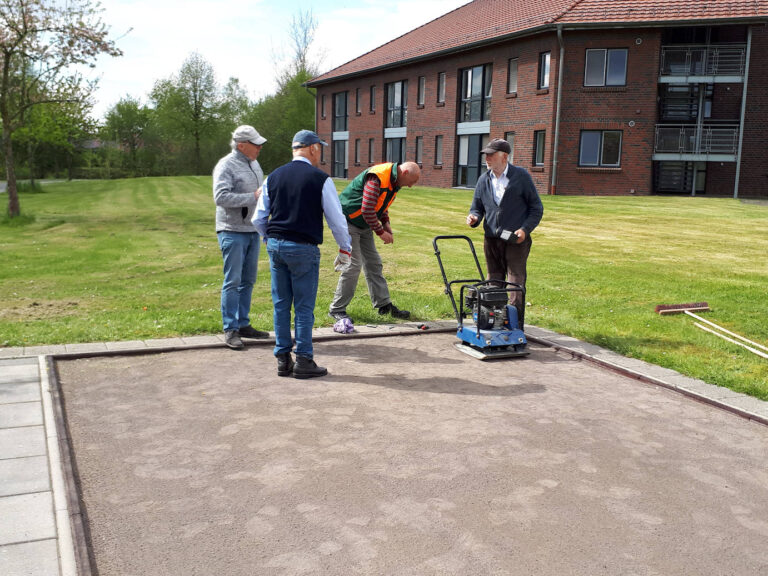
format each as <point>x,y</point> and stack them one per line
<point>394,311</point>
<point>285,364</point>
<point>232,340</point>
<point>338,315</point>
<point>306,368</point>
<point>251,332</point>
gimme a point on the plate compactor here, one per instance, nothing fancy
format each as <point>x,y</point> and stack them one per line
<point>493,331</point>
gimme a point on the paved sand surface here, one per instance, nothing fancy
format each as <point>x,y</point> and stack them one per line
<point>408,459</point>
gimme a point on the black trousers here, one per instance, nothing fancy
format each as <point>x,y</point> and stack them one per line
<point>507,261</point>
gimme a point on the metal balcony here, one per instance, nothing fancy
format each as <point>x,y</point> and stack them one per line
<point>703,63</point>
<point>710,142</point>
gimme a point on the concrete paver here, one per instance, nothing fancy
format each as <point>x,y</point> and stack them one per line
<point>35,535</point>
<point>33,518</point>
<point>30,558</point>
<point>24,475</point>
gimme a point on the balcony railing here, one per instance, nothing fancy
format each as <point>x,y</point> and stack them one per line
<point>687,139</point>
<point>703,60</point>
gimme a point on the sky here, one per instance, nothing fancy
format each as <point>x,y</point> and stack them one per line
<point>243,39</point>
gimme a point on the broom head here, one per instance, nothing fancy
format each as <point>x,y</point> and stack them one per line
<point>680,308</point>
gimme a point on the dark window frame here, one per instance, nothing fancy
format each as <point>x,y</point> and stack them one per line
<point>606,64</point>
<point>341,121</point>
<point>601,149</point>
<point>539,149</point>
<point>474,104</point>
<point>397,115</point>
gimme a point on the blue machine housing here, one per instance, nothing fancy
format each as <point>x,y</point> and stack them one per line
<point>505,337</point>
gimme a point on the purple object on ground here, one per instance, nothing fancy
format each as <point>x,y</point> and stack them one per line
<point>344,326</point>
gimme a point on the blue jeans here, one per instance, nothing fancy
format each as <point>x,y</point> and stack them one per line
<point>295,270</point>
<point>241,260</point>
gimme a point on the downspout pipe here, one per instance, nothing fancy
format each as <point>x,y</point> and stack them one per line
<point>560,67</point>
<point>743,113</point>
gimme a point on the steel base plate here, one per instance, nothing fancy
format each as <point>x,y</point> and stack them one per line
<point>490,353</point>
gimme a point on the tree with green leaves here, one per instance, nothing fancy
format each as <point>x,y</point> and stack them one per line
<point>41,43</point>
<point>127,122</point>
<point>186,105</point>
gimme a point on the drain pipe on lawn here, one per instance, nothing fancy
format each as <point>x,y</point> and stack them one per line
<point>553,186</point>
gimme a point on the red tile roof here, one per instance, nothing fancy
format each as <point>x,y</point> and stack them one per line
<point>484,21</point>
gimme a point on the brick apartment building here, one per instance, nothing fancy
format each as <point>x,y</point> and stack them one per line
<point>595,96</point>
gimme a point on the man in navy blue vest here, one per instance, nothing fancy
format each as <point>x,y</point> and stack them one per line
<point>289,215</point>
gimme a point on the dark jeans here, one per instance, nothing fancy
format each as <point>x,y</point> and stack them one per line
<point>507,261</point>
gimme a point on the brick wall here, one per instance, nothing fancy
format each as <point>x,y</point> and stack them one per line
<point>632,109</point>
<point>753,181</point>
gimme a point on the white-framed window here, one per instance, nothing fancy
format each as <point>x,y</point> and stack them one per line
<point>539,141</point>
<point>606,67</point>
<point>357,150</point>
<point>322,105</point>
<point>358,101</point>
<point>419,149</point>
<point>373,98</point>
<point>510,138</point>
<point>600,148</point>
<point>512,76</point>
<point>439,150</point>
<point>471,161</point>
<point>422,89</point>
<point>370,150</point>
<point>441,87</point>
<point>544,63</point>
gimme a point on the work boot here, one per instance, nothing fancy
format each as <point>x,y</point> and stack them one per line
<point>306,368</point>
<point>394,311</point>
<point>285,364</point>
<point>251,332</point>
<point>232,340</point>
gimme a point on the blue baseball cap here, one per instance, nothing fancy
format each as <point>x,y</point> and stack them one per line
<point>304,138</point>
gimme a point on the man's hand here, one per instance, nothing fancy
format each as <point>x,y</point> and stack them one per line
<point>257,193</point>
<point>386,237</point>
<point>520,233</point>
<point>342,262</point>
<point>471,219</point>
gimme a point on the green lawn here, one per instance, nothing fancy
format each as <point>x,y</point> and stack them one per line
<point>137,259</point>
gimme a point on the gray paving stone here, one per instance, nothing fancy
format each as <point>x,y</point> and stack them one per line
<point>24,475</point>
<point>44,350</point>
<point>17,361</point>
<point>196,340</point>
<point>164,343</point>
<point>749,404</point>
<point>126,345</point>
<point>21,414</point>
<point>24,392</point>
<point>22,442</point>
<point>11,352</point>
<point>86,348</point>
<point>32,515</point>
<point>30,559</point>
<point>17,373</point>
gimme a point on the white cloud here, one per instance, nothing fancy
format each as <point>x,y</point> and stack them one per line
<point>239,38</point>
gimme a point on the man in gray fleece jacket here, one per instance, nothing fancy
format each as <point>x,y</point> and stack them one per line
<point>507,200</point>
<point>237,181</point>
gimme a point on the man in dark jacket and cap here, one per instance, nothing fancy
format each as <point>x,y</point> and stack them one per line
<point>507,202</point>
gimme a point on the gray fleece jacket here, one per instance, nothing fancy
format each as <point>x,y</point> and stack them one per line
<point>235,179</point>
